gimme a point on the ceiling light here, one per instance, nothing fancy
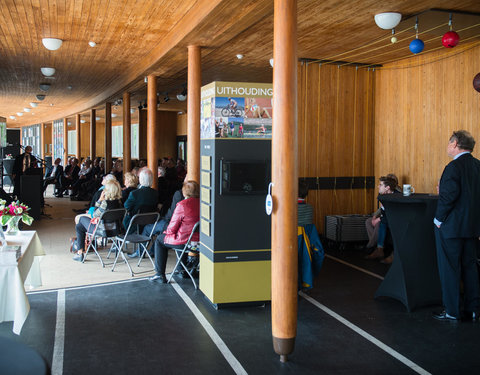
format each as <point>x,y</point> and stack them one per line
<point>180,113</point>
<point>132,110</point>
<point>82,121</point>
<point>388,20</point>
<point>271,62</point>
<point>183,95</point>
<point>33,104</point>
<point>51,104</point>
<point>33,113</point>
<point>26,109</point>
<point>69,87</point>
<point>92,44</point>
<point>12,117</point>
<point>166,98</point>
<point>97,118</point>
<point>52,44</point>
<point>239,56</point>
<point>40,96</point>
<point>48,71</point>
<point>114,115</point>
<point>44,86</point>
<point>19,114</point>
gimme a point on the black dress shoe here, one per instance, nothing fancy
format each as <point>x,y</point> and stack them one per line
<point>471,316</point>
<point>443,316</point>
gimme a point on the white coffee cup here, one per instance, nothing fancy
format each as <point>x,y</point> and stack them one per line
<point>408,190</point>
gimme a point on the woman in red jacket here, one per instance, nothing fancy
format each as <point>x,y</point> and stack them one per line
<point>186,214</point>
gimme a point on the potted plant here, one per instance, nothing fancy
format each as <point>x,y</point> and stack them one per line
<point>11,215</point>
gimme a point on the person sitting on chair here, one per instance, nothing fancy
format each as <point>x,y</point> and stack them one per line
<point>185,216</point>
<point>109,199</point>
<point>52,176</point>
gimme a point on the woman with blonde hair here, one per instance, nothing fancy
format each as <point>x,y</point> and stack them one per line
<point>131,183</point>
<point>109,199</point>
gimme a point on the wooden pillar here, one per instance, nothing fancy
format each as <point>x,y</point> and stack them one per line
<point>79,139</point>
<point>152,144</point>
<point>284,178</point>
<point>127,133</point>
<point>42,141</point>
<point>93,124</point>
<point>193,113</point>
<point>53,143</point>
<point>108,137</point>
<point>65,140</point>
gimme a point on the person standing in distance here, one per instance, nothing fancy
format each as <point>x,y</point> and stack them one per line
<point>457,223</point>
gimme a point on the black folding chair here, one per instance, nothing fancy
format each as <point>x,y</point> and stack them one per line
<point>109,226</point>
<point>180,253</point>
<point>121,241</point>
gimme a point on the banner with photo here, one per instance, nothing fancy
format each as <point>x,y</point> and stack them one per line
<point>236,110</point>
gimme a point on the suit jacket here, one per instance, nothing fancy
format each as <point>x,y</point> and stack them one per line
<point>58,172</point>
<point>18,164</point>
<point>459,198</point>
<point>143,197</point>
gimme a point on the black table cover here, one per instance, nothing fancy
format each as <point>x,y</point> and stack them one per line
<point>17,358</point>
<point>413,276</point>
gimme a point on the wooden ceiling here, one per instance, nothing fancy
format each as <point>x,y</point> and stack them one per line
<point>137,38</point>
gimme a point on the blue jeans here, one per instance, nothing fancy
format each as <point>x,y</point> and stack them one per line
<point>382,234</point>
<point>158,228</point>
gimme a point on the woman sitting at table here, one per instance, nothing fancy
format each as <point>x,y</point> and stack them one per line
<point>185,216</point>
<point>109,199</point>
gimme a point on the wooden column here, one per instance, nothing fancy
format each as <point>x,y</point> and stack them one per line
<point>193,113</point>
<point>79,139</point>
<point>65,141</point>
<point>285,178</point>
<point>127,133</point>
<point>152,144</point>
<point>93,123</point>
<point>108,137</point>
<point>53,143</point>
<point>42,141</point>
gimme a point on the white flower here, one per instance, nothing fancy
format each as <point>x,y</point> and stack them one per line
<point>18,210</point>
<point>2,207</point>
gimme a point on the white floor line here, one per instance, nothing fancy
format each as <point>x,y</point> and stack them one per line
<point>89,286</point>
<point>354,267</point>
<point>234,363</point>
<point>59,344</point>
<point>367,336</point>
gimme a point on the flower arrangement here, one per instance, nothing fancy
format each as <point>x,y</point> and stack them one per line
<point>14,210</point>
<point>8,156</point>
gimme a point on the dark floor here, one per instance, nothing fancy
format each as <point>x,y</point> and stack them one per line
<point>140,327</point>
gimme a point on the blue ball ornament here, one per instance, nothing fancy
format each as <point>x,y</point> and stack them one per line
<point>416,46</point>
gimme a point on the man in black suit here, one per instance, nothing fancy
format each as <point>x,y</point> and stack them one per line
<point>457,223</point>
<point>22,164</point>
<point>52,175</point>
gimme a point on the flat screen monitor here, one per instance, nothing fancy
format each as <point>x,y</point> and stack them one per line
<point>244,177</point>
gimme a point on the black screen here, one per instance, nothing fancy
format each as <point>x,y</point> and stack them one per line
<point>244,176</point>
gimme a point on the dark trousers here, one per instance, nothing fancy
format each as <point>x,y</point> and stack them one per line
<point>161,254</point>
<point>81,228</point>
<point>457,261</point>
<point>47,181</point>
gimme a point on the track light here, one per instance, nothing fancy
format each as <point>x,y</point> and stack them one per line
<point>40,97</point>
<point>166,99</point>
<point>183,95</point>
<point>44,86</point>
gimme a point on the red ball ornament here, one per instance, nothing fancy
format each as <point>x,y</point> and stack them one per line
<point>450,39</point>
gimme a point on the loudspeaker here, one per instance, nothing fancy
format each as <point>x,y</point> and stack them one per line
<point>31,193</point>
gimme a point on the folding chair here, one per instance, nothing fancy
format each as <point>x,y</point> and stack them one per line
<point>180,252</point>
<point>137,239</point>
<point>109,226</point>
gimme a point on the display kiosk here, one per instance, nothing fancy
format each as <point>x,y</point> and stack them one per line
<point>235,231</point>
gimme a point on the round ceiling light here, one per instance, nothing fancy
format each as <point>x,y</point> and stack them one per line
<point>40,96</point>
<point>82,121</point>
<point>44,86</point>
<point>97,118</point>
<point>388,20</point>
<point>12,117</point>
<point>26,109</point>
<point>19,114</point>
<point>181,97</point>
<point>132,110</point>
<point>92,44</point>
<point>47,72</point>
<point>52,44</point>
<point>271,63</point>
<point>33,104</point>
<point>114,115</point>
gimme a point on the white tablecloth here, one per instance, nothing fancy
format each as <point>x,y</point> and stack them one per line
<point>13,299</point>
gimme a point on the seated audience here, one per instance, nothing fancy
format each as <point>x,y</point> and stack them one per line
<point>144,198</point>
<point>131,183</point>
<point>109,199</point>
<point>84,175</point>
<point>117,170</point>
<point>53,173</point>
<point>387,185</point>
<point>69,177</point>
<point>186,214</point>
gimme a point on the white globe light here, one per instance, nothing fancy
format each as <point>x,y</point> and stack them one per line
<point>52,44</point>
<point>19,114</point>
<point>26,109</point>
<point>388,20</point>
<point>48,72</point>
<point>33,104</point>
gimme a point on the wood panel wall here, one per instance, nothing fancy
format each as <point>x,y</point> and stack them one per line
<point>182,124</point>
<point>47,137</point>
<point>419,102</point>
<point>335,134</point>
<point>166,135</point>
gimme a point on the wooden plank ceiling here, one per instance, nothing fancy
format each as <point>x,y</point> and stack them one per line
<point>137,38</point>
